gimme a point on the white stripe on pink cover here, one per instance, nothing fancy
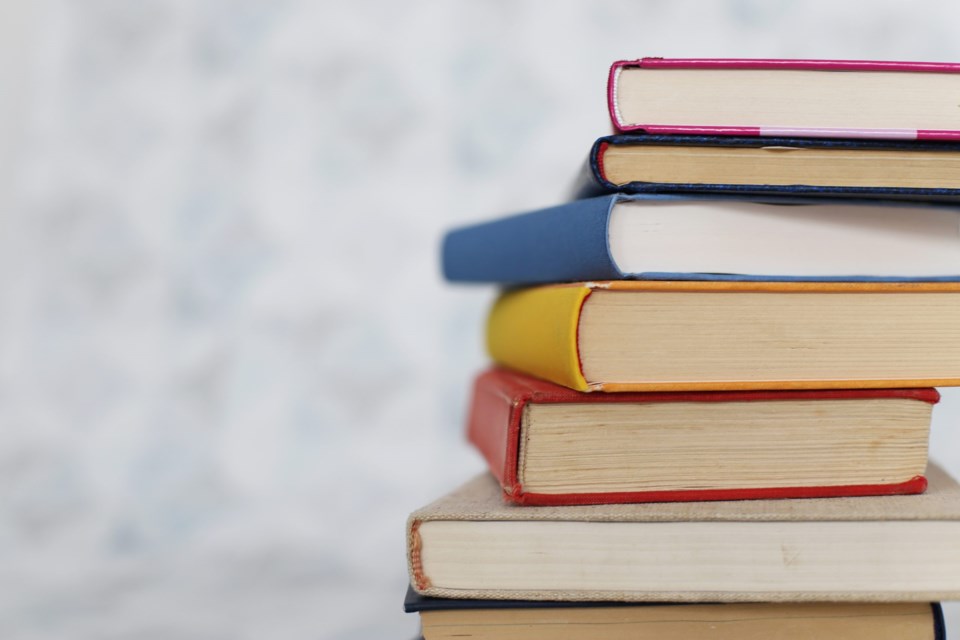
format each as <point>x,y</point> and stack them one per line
<point>885,134</point>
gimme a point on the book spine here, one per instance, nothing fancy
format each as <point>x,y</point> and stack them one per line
<point>493,427</point>
<point>560,244</point>
<point>939,628</point>
<point>535,331</point>
<point>590,182</point>
<point>418,579</point>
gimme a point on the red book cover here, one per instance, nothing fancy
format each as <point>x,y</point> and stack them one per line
<point>501,396</point>
<point>907,127</point>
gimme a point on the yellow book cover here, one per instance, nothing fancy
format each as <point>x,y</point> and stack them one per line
<point>535,331</point>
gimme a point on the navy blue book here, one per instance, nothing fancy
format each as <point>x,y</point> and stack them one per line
<point>701,237</point>
<point>453,618</point>
<point>910,170</point>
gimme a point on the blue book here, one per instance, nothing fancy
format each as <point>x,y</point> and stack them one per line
<point>890,169</point>
<point>700,237</point>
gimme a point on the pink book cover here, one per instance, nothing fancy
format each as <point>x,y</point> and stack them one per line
<point>788,65</point>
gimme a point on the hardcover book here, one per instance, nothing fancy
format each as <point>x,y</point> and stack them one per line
<point>644,163</point>
<point>546,444</point>
<point>662,237</point>
<point>810,98</point>
<point>717,336</point>
<point>443,619</point>
<point>473,544</point>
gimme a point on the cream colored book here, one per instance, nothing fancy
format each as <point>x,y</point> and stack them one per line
<point>471,544</point>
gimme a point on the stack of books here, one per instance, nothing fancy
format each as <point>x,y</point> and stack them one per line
<point>714,370</point>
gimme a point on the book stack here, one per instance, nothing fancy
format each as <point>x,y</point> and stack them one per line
<point>714,369</point>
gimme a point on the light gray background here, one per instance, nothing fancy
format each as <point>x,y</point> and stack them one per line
<point>228,366</point>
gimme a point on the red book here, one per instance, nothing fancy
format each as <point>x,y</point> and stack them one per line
<point>803,98</point>
<point>550,445</point>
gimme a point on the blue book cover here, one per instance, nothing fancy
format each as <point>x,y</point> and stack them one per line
<point>571,243</point>
<point>592,180</point>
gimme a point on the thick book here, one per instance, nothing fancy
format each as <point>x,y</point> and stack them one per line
<point>718,336</point>
<point>809,98</point>
<point>473,544</point>
<point>665,237</point>
<point>548,445</point>
<point>646,163</point>
<point>446,619</point>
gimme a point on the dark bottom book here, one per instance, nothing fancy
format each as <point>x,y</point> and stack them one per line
<point>443,619</point>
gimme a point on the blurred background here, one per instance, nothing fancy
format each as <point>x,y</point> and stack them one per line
<point>229,367</point>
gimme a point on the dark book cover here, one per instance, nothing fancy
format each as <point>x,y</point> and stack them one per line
<point>592,180</point>
<point>415,603</point>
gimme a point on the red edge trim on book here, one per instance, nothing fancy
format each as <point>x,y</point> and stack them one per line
<point>937,134</point>
<point>601,151</point>
<point>917,484</point>
<point>420,581</point>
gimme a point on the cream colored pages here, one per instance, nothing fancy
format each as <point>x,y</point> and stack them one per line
<point>769,339</point>
<point>703,236</point>
<point>661,446</point>
<point>931,168</point>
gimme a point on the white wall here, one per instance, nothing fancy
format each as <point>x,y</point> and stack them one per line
<point>228,366</point>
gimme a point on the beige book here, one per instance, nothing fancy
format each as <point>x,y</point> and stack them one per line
<point>470,544</point>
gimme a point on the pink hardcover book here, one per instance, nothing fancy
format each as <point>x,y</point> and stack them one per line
<point>805,98</point>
